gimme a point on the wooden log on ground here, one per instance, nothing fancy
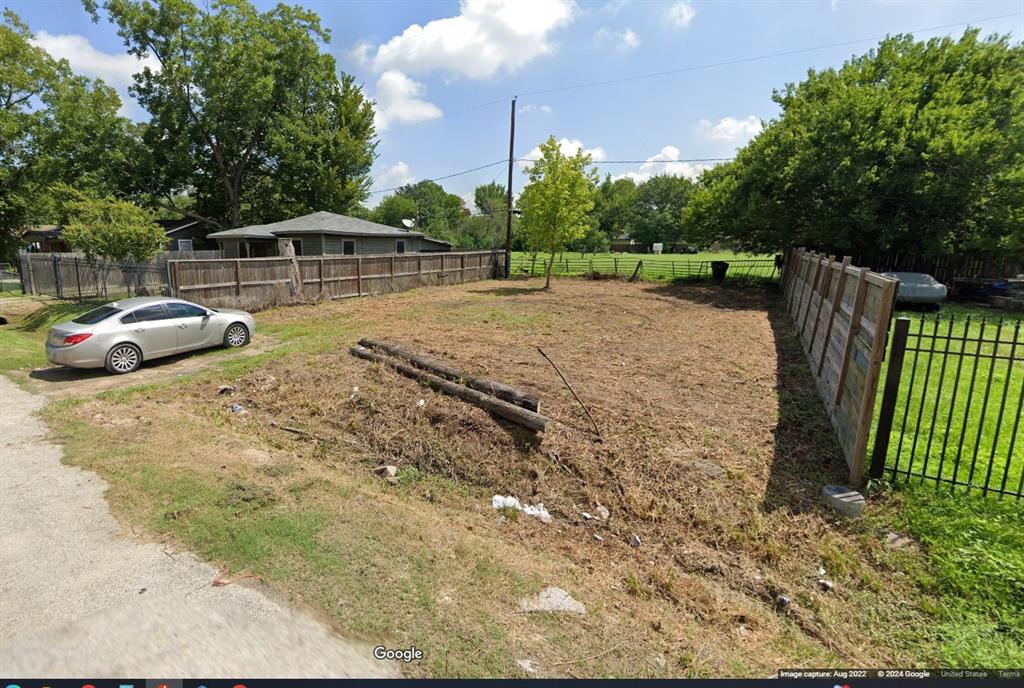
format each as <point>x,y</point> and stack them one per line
<point>528,419</point>
<point>510,394</point>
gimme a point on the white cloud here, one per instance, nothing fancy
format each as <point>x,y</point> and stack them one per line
<point>543,109</point>
<point>665,161</point>
<point>626,39</point>
<point>396,175</point>
<point>731,129</point>
<point>398,101</point>
<point>115,69</point>
<point>486,37</point>
<point>360,52</point>
<point>680,13</point>
<point>568,147</point>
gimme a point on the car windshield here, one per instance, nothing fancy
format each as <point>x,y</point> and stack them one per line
<point>96,315</point>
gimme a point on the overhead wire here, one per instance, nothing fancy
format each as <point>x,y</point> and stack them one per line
<point>651,75</point>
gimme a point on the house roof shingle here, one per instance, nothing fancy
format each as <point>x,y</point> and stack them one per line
<point>315,223</point>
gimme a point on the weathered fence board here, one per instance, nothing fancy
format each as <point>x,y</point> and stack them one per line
<point>256,283</point>
<point>841,314</point>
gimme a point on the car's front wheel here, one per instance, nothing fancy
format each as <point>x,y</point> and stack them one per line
<point>236,335</point>
<point>124,358</point>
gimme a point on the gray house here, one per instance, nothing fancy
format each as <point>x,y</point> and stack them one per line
<point>323,233</point>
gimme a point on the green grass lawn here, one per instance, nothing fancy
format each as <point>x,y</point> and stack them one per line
<point>23,339</point>
<point>955,429</point>
<point>665,266</point>
<point>972,575</point>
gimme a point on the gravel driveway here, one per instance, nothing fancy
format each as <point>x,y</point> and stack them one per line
<point>80,597</point>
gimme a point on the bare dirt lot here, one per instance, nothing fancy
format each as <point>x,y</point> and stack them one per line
<point>713,448</point>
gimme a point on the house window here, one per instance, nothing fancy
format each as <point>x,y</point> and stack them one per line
<point>297,245</point>
<point>184,244</point>
<point>400,246</point>
<point>348,247</point>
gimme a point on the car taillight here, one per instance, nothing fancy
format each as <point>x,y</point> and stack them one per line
<point>73,339</point>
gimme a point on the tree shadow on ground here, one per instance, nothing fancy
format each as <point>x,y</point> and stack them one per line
<point>806,454</point>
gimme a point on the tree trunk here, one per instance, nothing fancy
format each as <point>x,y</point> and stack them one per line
<point>551,263</point>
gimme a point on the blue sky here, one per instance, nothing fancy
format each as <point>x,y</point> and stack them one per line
<point>425,62</point>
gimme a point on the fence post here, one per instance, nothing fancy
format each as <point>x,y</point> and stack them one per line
<point>238,277</point>
<point>31,274</point>
<point>889,395</point>
<point>359,275</point>
<point>78,279</point>
<point>419,268</point>
<point>167,278</point>
<point>321,278</point>
<point>56,279</point>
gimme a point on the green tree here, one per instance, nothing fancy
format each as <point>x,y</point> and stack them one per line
<point>438,213</point>
<point>487,228</point>
<point>614,207</point>
<point>914,147</point>
<point>247,112</point>
<point>55,128</point>
<point>658,207</point>
<point>556,203</point>
<point>113,230</point>
<point>393,209</point>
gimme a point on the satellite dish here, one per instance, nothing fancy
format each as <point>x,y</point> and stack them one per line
<point>409,224</point>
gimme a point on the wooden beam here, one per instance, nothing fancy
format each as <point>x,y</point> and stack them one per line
<point>528,419</point>
<point>852,331</point>
<point>510,394</point>
<point>840,288</point>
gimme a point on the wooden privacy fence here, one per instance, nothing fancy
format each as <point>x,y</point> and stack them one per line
<point>256,283</point>
<point>841,314</point>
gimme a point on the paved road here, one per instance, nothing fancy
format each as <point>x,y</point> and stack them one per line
<point>79,597</point>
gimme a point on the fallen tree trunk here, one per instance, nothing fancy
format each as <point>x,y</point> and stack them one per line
<point>503,409</point>
<point>502,391</point>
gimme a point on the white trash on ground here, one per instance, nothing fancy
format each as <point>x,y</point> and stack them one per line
<point>510,502</point>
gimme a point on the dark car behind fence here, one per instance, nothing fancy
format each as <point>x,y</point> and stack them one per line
<point>952,403</point>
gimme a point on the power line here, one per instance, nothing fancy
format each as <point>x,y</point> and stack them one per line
<point>744,60</point>
<point>694,68</point>
<point>503,161</point>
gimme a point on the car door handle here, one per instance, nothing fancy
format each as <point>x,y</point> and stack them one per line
<point>182,326</point>
<point>141,329</point>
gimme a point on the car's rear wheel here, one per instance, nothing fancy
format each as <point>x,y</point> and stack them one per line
<point>236,335</point>
<point>124,358</point>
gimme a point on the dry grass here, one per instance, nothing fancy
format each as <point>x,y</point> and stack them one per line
<point>713,448</point>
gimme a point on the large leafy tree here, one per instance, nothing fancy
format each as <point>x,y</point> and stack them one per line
<point>557,201</point>
<point>55,128</point>
<point>248,115</point>
<point>393,209</point>
<point>438,212</point>
<point>614,206</point>
<point>915,146</point>
<point>658,207</point>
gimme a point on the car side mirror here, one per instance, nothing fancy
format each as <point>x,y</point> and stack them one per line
<point>209,314</point>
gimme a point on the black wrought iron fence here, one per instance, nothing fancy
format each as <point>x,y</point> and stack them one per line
<point>952,404</point>
<point>75,277</point>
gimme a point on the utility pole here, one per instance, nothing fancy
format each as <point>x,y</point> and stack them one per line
<point>508,211</point>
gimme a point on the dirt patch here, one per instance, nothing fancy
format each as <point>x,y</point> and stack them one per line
<point>59,382</point>
<point>713,446</point>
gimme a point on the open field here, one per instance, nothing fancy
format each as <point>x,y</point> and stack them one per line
<point>659,267</point>
<point>713,449</point>
<point>954,429</point>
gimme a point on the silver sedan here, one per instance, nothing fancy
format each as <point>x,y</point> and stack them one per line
<point>122,334</point>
